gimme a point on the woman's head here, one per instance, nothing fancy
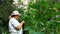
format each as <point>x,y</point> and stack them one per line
<point>15,14</point>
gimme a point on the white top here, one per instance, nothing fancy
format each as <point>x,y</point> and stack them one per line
<point>13,23</point>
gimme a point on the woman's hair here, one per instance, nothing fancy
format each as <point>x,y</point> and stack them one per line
<point>12,15</point>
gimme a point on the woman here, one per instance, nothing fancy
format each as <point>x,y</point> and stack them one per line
<point>14,26</point>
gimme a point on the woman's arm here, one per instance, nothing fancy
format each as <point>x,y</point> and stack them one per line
<point>20,25</point>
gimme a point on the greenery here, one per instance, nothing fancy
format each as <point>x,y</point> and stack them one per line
<point>5,10</point>
<point>41,17</point>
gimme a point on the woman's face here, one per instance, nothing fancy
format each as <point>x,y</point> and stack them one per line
<point>16,16</point>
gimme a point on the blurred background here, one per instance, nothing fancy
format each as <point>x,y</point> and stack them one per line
<point>40,16</point>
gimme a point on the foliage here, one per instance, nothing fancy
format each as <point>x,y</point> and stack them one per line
<point>41,16</point>
<point>5,10</point>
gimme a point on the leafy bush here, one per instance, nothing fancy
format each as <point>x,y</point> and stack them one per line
<point>41,17</point>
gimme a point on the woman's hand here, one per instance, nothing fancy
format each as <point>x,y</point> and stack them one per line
<point>23,22</point>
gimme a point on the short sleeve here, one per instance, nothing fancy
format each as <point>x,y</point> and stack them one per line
<point>15,23</point>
